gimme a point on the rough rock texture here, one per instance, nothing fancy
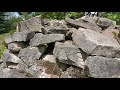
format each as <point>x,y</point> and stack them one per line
<point>68,54</point>
<point>117,27</point>
<point>111,33</point>
<point>23,36</point>
<point>50,58</point>
<point>34,70</point>
<point>33,24</point>
<point>94,43</point>
<point>84,24</point>
<point>49,67</point>
<point>56,30</point>
<point>9,57</point>
<point>40,39</point>
<point>102,67</point>
<point>73,72</point>
<point>113,25</point>
<point>70,32</point>
<point>49,22</point>
<point>30,54</point>
<point>89,19</point>
<point>20,36</point>
<point>13,73</point>
<point>104,22</point>
<point>16,46</point>
<point>8,39</point>
<point>87,47</point>
<point>55,27</point>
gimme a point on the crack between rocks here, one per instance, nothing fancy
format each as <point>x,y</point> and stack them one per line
<point>26,25</point>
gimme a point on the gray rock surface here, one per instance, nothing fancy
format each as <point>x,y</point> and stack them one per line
<point>10,73</point>
<point>94,43</point>
<point>104,22</point>
<point>20,37</point>
<point>84,24</point>
<point>23,36</point>
<point>68,54</point>
<point>73,72</point>
<point>9,57</point>
<point>89,19</point>
<point>8,39</point>
<point>56,30</point>
<point>35,70</point>
<point>113,25</point>
<point>111,33</point>
<point>50,58</point>
<point>102,67</point>
<point>70,32</point>
<point>33,24</point>
<point>16,46</point>
<point>40,39</point>
<point>14,73</point>
<point>30,54</point>
<point>70,48</point>
<point>55,22</point>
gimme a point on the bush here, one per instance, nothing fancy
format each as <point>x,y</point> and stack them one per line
<point>113,16</point>
<point>59,15</point>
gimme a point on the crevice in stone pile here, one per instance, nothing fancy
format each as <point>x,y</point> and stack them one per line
<point>60,65</point>
<point>84,54</point>
<point>50,48</point>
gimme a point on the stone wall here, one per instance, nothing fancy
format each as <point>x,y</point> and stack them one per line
<point>82,48</point>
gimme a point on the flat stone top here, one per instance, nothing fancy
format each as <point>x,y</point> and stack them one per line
<point>98,38</point>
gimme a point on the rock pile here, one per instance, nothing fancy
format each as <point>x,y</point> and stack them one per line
<point>80,48</point>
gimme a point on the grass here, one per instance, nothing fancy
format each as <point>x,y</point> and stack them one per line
<point>2,45</point>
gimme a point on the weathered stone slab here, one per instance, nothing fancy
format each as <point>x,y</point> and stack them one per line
<point>30,54</point>
<point>102,67</point>
<point>68,54</point>
<point>84,24</point>
<point>94,43</point>
<point>40,39</point>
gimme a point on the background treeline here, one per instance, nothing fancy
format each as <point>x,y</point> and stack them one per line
<point>8,24</point>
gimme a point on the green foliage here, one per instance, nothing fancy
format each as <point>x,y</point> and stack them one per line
<point>59,15</point>
<point>13,22</point>
<point>2,48</point>
<point>25,15</point>
<point>2,43</point>
<point>6,25</point>
<point>75,14</point>
<point>3,23</point>
<point>113,16</point>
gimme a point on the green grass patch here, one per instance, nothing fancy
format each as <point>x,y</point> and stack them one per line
<point>2,45</point>
<point>2,48</point>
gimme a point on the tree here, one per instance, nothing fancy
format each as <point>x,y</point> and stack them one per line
<point>4,25</point>
<point>25,15</point>
<point>2,21</point>
<point>59,15</point>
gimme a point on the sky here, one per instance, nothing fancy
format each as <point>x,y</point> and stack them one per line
<point>11,14</point>
<point>15,14</point>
